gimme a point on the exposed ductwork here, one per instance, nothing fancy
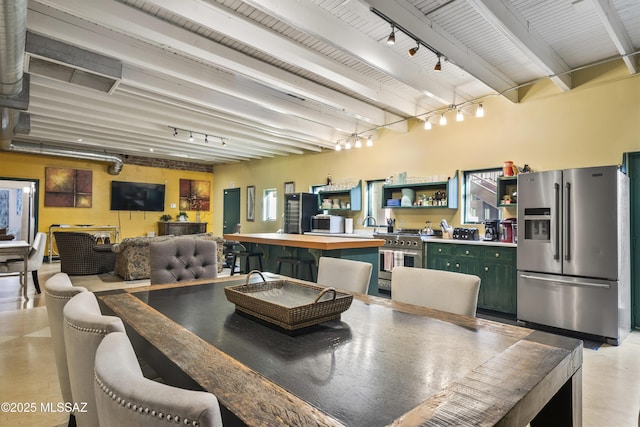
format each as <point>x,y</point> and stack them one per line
<point>14,90</point>
<point>114,169</point>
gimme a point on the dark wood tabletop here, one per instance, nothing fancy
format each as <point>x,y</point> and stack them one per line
<point>383,363</point>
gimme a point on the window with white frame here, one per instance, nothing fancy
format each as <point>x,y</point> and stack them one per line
<point>374,207</point>
<point>269,204</point>
<point>480,199</point>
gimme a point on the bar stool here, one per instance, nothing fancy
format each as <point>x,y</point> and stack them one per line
<point>295,263</point>
<point>246,255</point>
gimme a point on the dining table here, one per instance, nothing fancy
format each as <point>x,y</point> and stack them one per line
<point>381,363</point>
<point>19,248</point>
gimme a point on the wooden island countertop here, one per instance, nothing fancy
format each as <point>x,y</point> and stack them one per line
<point>306,241</point>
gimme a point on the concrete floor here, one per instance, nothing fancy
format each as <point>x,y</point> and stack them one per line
<point>610,380</point>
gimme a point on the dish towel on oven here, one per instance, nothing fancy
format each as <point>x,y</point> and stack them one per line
<point>398,259</point>
<point>388,260</point>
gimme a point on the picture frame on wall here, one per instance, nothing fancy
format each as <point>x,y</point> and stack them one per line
<point>251,202</point>
<point>289,187</point>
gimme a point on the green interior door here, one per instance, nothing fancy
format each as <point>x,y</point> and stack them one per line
<point>230,210</point>
<point>633,170</point>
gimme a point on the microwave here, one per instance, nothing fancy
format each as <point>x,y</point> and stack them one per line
<point>327,224</point>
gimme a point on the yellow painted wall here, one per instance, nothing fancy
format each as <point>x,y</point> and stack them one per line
<point>593,124</point>
<point>14,165</point>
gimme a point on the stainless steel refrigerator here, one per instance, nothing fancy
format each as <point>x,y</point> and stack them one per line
<point>298,210</point>
<point>573,251</point>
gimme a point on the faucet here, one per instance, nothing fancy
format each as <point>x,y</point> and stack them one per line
<point>364,221</point>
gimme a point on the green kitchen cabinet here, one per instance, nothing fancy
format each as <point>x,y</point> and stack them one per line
<point>495,265</point>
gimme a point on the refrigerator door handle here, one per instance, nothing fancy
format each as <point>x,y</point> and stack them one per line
<point>556,254</point>
<point>567,222</point>
<point>565,282</point>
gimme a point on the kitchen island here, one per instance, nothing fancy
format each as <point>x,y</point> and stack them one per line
<point>305,246</point>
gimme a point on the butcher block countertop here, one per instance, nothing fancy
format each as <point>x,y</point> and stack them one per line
<point>306,241</point>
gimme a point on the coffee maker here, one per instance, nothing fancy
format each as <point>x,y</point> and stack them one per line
<point>492,230</point>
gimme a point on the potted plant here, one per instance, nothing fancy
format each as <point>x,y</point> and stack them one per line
<point>182,216</point>
<point>165,217</point>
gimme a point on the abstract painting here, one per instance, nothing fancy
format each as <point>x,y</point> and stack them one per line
<point>68,188</point>
<point>195,195</point>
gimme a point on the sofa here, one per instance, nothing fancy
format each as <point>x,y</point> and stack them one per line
<point>132,254</point>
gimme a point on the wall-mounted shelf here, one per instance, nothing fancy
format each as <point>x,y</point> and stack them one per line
<point>352,195</point>
<point>507,185</point>
<point>427,189</point>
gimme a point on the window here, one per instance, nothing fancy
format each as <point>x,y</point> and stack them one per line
<point>480,195</point>
<point>374,203</point>
<point>269,204</point>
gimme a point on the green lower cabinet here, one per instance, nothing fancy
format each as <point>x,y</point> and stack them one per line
<point>496,267</point>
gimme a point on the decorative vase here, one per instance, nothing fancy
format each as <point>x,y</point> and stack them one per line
<point>182,218</point>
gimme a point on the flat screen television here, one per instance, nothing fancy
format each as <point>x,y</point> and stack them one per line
<point>137,196</point>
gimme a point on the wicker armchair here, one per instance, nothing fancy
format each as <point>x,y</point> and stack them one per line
<point>81,255</point>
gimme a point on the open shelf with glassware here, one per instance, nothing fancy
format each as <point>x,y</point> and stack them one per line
<point>507,191</point>
<point>424,195</point>
<point>341,197</point>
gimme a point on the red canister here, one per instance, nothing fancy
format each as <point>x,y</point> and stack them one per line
<point>507,168</point>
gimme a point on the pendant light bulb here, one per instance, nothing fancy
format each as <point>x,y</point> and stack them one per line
<point>413,50</point>
<point>391,40</point>
<point>338,146</point>
<point>190,136</point>
<point>427,124</point>
<point>459,116</point>
<point>369,142</point>
<point>347,145</point>
<point>358,143</point>
<point>480,111</point>
<point>443,120</point>
<point>438,66</point>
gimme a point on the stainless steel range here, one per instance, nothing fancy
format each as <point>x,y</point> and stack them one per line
<point>401,248</point>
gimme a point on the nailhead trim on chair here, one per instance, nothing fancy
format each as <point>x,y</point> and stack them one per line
<point>146,411</point>
<point>90,330</point>
<point>59,296</point>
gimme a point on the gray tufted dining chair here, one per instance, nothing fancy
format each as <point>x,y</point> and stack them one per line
<point>84,329</point>
<point>178,260</point>
<point>442,290</point>
<point>58,290</point>
<point>126,398</point>
<point>344,274</point>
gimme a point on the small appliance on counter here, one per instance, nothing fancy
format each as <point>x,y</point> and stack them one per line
<point>327,224</point>
<point>492,230</point>
<point>508,227</point>
<point>348,225</point>
<point>463,233</point>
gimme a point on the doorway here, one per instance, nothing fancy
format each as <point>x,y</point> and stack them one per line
<point>633,171</point>
<point>19,207</point>
<point>230,210</point>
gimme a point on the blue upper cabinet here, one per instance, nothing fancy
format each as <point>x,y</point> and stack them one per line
<point>341,198</point>
<point>425,195</point>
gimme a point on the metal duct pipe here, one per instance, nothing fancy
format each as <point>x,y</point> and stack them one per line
<point>114,169</point>
<point>13,32</point>
<point>8,120</point>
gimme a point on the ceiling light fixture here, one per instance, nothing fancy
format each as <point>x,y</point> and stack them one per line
<point>459,116</point>
<point>223,142</point>
<point>480,111</point>
<point>413,50</point>
<point>338,146</point>
<point>427,124</point>
<point>347,145</point>
<point>191,134</point>
<point>358,143</point>
<point>438,66</point>
<point>391,40</point>
<point>443,120</point>
<point>369,142</point>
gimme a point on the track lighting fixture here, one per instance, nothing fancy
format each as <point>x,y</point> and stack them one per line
<point>480,111</point>
<point>369,142</point>
<point>438,66</point>
<point>347,145</point>
<point>427,124</point>
<point>459,116</point>
<point>192,133</point>
<point>338,146</point>
<point>391,40</point>
<point>413,50</point>
<point>443,120</point>
<point>223,142</point>
<point>358,143</point>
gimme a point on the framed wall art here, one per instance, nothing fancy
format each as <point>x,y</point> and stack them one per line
<point>289,187</point>
<point>251,203</point>
<point>195,195</point>
<point>69,188</point>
